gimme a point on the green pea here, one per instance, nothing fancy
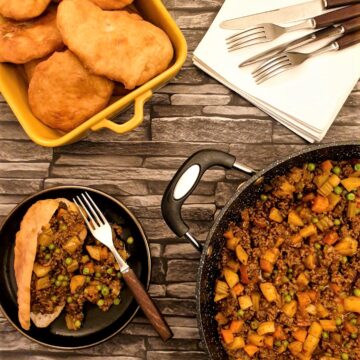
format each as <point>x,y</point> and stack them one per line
<point>62,227</point>
<point>277,343</point>
<point>105,291</point>
<point>357,167</point>
<point>76,296</point>
<point>100,302</point>
<point>290,270</point>
<point>284,279</point>
<point>117,301</point>
<point>338,190</point>
<point>325,335</point>
<point>338,321</point>
<point>130,240</point>
<point>109,271</point>
<point>290,276</point>
<point>336,170</point>
<point>317,246</point>
<point>66,278</point>
<point>51,247</point>
<point>263,197</point>
<point>350,196</point>
<point>52,280</point>
<point>311,166</point>
<point>86,271</point>
<point>77,324</point>
<point>254,324</point>
<point>299,196</point>
<point>88,279</point>
<point>354,335</point>
<point>344,260</point>
<point>119,275</point>
<point>288,298</point>
<point>357,292</point>
<point>68,260</point>
<point>65,283</point>
<point>42,248</point>
<point>344,356</point>
<point>57,283</point>
<point>97,275</point>
<point>57,251</point>
<point>47,257</point>
<point>353,321</point>
<point>98,287</point>
<point>337,222</point>
<point>86,291</point>
<point>69,299</point>
<point>241,313</point>
<point>60,277</point>
<point>53,298</point>
<point>285,343</point>
<point>314,220</point>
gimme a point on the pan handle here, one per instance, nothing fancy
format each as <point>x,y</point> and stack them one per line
<point>185,181</point>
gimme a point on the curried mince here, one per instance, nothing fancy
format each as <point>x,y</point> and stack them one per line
<point>289,286</point>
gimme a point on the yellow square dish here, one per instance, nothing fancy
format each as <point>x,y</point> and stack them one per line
<point>14,89</point>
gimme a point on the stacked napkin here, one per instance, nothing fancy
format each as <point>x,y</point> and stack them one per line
<point>305,99</point>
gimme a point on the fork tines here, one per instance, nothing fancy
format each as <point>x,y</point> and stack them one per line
<point>272,67</point>
<point>90,211</point>
<point>251,36</point>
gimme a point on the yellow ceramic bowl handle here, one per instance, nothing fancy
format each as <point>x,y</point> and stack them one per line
<point>133,123</point>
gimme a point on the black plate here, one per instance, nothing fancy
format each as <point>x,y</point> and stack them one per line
<point>98,326</point>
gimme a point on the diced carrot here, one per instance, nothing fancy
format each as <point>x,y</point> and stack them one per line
<point>269,342</point>
<point>326,165</point>
<point>351,183</point>
<point>300,334</point>
<point>295,347</point>
<point>236,326</point>
<point>328,325</point>
<point>303,299</point>
<point>308,197</point>
<point>313,294</point>
<point>266,266</point>
<point>275,215</point>
<point>228,234</point>
<point>320,204</point>
<point>244,276</point>
<point>251,350</point>
<point>335,288</point>
<point>238,289</point>
<point>279,242</point>
<point>227,335</point>
<point>350,328</point>
<point>331,238</point>
<point>279,333</point>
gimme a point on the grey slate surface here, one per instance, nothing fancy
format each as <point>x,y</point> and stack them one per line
<point>191,113</point>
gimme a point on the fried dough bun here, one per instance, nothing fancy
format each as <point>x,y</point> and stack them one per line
<point>38,215</point>
<point>23,42</point>
<point>112,4</point>
<point>116,44</point>
<point>30,66</point>
<point>63,94</point>
<point>22,9</point>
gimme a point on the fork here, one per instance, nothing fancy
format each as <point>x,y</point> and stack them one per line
<point>268,32</point>
<point>288,60</point>
<point>101,230</point>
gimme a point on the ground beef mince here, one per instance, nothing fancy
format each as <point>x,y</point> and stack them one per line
<point>72,268</point>
<point>289,286</point>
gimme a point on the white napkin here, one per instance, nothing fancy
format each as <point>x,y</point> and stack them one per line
<point>306,99</point>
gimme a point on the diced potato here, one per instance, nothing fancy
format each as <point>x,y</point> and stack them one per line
<point>251,350</point>
<point>256,339</point>
<point>237,290</point>
<point>322,311</point>
<point>350,328</point>
<point>290,308</point>
<point>231,277</point>
<point>44,238</point>
<point>269,291</point>
<point>352,304</point>
<point>310,262</point>
<point>275,215</point>
<point>72,244</point>
<point>296,239</point>
<point>310,344</point>
<point>221,318</point>
<point>232,243</point>
<point>85,259</point>
<point>295,347</point>
<point>236,326</point>
<point>90,266</point>
<point>221,287</point>
<point>266,266</point>
<point>42,283</point>
<point>76,282</point>
<point>227,336</point>
<point>308,231</point>
<point>302,356</point>
<point>279,333</point>
<point>334,199</point>
<point>245,302</point>
<point>219,297</point>
<point>328,325</point>
<point>294,218</point>
<point>267,327</point>
<point>279,242</point>
<point>241,254</point>
<point>300,334</point>
<point>233,265</point>
<point>315,329</point>
<point>73,266</point>
<point>303,299</point>
<point>41,270</point>
<point>268,259</point>
<point>94,252</point>
<point>269,342</point>
<point>351,183</point>
<point>311,309</point>
<point>104,253</point>
<point>303,280</point>
<point>347,246</point>
<point>70,323</point>
<point>237,344</point>
<point>255,298</point>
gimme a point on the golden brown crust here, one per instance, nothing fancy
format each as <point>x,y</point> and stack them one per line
<point>38,215</point>
<point>23,42</point>
<point>116,44</point>
<point>22,9</point>
<point>72,94</point>
<point>112,4</point>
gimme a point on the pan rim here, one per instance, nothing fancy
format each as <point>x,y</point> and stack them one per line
<point>228,204</point>
<point>148,256</point>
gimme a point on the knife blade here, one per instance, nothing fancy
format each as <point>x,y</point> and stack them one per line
<point>289,13</point>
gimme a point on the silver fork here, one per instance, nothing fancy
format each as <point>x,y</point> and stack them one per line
<point>101,230</point>
<point>288,60</point>
<point>268,32</point>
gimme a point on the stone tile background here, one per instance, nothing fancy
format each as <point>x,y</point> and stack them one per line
<point>193,112</point>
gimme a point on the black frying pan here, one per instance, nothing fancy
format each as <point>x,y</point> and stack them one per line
<point>184,183</point>
<point>98,326</point>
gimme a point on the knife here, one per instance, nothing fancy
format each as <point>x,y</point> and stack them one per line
<point>332,31</point>
<point>289,13</point>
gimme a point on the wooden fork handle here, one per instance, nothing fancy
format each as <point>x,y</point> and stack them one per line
<point>337,16</point>
<point>329,4</point>
<point>147,305</point>
<point>348,40</point>
<point>351,25</point>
